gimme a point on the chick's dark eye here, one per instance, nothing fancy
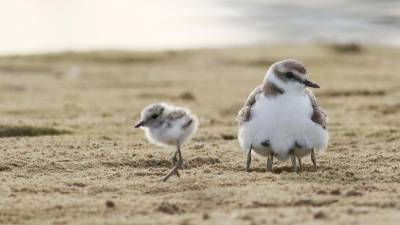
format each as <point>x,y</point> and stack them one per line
<point>154,116</point>
<point>289,75</point>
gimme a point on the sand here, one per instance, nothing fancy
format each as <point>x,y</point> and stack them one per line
<point>69,153</point>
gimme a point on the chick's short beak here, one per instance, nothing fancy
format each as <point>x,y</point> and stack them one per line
<point>139,124</point>
<point>310,84</point>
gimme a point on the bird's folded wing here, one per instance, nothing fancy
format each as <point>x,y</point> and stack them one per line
<point>176,114</point>
<point>319,115</point>
<point>173,116</point>
<point>244,114</point>
<point>187,124</point>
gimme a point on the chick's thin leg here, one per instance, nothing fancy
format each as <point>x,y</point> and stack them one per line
<point>174,160</point>
<point>178,164</point>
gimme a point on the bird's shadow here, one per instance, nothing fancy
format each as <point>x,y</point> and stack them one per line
<point>275,170</point>
<point>163,163</point>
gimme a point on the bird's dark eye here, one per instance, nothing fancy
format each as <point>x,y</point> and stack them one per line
<point>289,75</point>
<point>154,116</point>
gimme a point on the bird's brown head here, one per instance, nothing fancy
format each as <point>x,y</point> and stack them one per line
<point>291,71</point>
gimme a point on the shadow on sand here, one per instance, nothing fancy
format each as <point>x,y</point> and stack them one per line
<point>29,131</point>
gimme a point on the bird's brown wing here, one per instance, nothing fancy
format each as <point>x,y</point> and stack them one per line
<point>244,114</point>
<point>176,114</point>
<point>319,115</point>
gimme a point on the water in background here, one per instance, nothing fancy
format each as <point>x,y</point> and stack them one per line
<point>57,25</point>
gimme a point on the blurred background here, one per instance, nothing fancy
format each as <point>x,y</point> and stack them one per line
<point>56,25</point>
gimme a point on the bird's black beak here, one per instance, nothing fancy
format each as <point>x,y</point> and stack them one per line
<point>310,84</point>
<point>139,124</point>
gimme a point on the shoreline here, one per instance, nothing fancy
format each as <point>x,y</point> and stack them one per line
<point>199,48</point>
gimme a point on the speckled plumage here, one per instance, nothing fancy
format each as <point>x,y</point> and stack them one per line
<point>168,125</point>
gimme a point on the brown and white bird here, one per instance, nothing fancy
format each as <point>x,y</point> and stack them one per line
<point>281,117</point>
<point>168,125</point>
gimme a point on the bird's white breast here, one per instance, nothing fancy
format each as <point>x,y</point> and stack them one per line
<point>283,120</point>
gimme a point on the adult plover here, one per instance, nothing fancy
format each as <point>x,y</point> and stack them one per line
<point>168,125</point>
<point>281,117</point>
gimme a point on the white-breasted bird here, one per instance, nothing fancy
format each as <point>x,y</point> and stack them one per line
<point>281,117</point>
<point>168,125</point>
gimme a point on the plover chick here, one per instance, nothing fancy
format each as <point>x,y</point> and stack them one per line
<point>168,125</point>
<point>281,117</point>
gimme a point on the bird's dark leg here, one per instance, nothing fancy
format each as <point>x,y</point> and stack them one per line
<point>270,161</point>
<point>313,159</point>
<point>300,165</point>
<point>248,160</point>
<point>174,160</point>
<point>293,158</point>
<point>177,165</point>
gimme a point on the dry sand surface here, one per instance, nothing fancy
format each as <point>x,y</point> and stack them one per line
<point>69,153</point>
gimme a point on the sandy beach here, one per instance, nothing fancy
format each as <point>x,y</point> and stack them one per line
<point>69,153</point>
